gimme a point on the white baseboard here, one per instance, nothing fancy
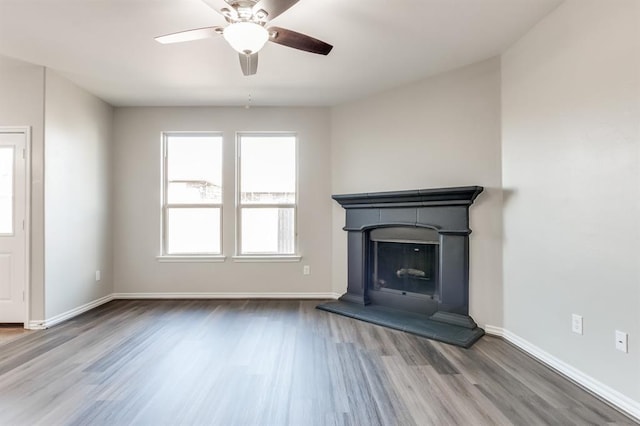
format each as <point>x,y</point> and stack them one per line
<point>49,322</point>
<point>612,396</point>
<point>493,331</point>
<point>35,325</point>
<point>270,295</point>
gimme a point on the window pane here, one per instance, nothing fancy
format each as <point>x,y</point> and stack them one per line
<point>193,231</point>
<point>267,169</point>
<point>6,190</point>
<point>267,231</point>
<point>194,169</point>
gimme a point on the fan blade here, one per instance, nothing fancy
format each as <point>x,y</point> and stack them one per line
<point>273,7</point>
<point>298,41</point>
<point>189,35</point>
<point>223,8</point>
<point>249,63</point>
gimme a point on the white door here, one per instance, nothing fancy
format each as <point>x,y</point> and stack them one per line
<point>12,226</point>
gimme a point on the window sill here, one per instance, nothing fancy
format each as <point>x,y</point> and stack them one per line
<point>267,258</point>
<point>191,259</point>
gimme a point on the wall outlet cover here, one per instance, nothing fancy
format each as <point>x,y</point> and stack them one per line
<point>622,341</point>
<point>576,323</point>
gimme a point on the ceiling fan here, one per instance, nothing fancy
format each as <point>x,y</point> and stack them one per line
<point>247,31</point>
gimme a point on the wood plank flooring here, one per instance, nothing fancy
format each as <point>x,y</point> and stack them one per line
<point>257,362</point>
<point>10,332</point>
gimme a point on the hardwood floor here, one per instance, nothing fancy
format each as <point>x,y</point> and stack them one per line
<point>10,332</point>
<point>271,363</point>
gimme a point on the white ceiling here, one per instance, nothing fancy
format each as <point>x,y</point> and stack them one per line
<point>108,47</point>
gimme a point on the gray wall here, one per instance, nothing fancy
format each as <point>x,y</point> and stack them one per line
<point>77,196</point>
<point>137,202</point>
<point>443,131</point>
<point>571,172</point>
<point>22,104</point>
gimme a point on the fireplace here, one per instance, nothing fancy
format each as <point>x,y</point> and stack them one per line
<point>408,252</point>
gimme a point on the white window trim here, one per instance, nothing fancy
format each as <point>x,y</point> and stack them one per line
<point>190,259</point>
<point>265,257</point>
<point>186,257</point>
<point>276,258</point>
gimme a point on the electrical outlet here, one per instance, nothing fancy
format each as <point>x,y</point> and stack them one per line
<point>306,270</point>
<point>98,275</point>
<point>622,342</point>
<point>576,323</point>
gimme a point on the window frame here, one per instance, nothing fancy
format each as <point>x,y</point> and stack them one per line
<point>165,205</point>
<point>265,257</point>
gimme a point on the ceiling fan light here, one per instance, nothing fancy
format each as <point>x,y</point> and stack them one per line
<point>246,37</point>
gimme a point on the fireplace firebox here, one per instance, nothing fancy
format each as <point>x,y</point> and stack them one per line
<point>409,251</point>
<point>403,268</point>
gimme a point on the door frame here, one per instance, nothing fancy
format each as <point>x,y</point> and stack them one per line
<point>26,131</point>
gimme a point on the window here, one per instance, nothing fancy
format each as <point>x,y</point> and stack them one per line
<point>6,190</point>
<point>267,193</point>
<point>192,194</point>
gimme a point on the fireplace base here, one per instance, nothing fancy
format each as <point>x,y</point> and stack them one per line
<point>459,330</point>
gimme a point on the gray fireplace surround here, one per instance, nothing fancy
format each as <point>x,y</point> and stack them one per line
<point>445,213</point>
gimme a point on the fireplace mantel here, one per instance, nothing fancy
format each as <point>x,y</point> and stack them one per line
<point>445,210</point>
<point>442,311</point>
<point>459,196</point>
